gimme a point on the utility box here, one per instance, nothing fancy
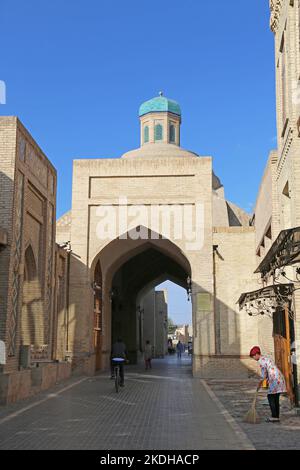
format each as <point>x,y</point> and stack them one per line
<point>25,357</point>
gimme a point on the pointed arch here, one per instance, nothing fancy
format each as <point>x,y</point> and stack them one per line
<point>128,264</point>
<point>124,247</point>
<point>32,317</point>
<point>146,134</point>
<point>30,265</point>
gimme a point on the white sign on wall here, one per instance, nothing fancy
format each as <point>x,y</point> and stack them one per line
<point>2,353</point>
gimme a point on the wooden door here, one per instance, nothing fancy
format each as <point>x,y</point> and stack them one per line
<point>283,361</point>
<point>97,340</point>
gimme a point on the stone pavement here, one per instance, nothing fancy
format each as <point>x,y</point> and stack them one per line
<point>162,409</point>
<point>236,396</point>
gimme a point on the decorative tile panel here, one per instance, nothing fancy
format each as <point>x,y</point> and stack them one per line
<point>17,254</point>
<point>38,168</point>
<point>49,273</point>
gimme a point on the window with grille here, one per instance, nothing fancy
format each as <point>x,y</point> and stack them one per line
<point>158,132</point>
<point>172,133</point>
<point>146,134</point>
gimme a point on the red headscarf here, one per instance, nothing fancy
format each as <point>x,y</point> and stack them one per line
<point>254,351</point>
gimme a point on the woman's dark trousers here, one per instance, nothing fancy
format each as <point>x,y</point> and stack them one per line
<point>274,404</point>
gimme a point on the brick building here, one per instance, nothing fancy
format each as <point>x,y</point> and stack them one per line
<point>115,262</point>
<point>28,256</point>
<point>277,212</point>
<point>62,305</point>
<point>153,320</point>
<point>183,333</point>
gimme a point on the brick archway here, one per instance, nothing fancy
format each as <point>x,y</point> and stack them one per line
<point>170,263</point>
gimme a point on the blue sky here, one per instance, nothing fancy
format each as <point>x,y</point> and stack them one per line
<point>76,72</point>
<point>179,308</point>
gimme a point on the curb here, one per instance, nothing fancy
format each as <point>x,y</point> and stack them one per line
<point>243,438</point>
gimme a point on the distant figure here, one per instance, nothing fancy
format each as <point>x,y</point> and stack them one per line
<point>170,346</point>
<point>179,349</point>
<point>148,355</point>
<point>119,350</point>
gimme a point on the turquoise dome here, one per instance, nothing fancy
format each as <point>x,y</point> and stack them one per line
<point>158,105</point>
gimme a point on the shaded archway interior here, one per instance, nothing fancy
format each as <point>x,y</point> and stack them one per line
<point>140,273</point>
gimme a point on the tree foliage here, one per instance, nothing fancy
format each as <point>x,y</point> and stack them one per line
<point>171,326</point>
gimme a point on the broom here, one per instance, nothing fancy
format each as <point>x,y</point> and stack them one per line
<point>252,416</point>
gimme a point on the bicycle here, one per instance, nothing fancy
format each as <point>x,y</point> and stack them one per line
<point>117,361</point>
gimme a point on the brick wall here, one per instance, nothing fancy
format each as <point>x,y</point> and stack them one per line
<point>235,265</point>
<point>27,212</point>
<point>8,129</point>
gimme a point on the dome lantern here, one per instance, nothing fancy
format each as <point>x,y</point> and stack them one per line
<point>160,120</point>
<point>160,104</point>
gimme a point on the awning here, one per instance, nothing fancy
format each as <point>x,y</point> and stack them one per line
<point>3,237</point>
<point>285,251</point>
<point>275,292</point>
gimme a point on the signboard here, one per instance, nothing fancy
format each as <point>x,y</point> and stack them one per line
<point>203,302</point>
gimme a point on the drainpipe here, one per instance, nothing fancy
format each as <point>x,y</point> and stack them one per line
<point>216,315</point>
<point>154,324</point>
<point>69,251</point>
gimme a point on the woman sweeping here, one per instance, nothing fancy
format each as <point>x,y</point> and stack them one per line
<point>275,380</point>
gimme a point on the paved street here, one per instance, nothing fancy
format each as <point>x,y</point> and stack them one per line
<point>162,409</point>
<point>237,396</point>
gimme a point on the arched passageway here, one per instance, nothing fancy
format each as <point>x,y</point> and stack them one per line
<point>140,267</point>
<point>164,317</point>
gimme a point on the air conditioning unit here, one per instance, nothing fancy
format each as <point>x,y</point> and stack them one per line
<point>25,357</point>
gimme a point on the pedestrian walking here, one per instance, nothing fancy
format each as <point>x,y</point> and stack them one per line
<point>148,355</point>
<point>275,379</point>
<point>179,349</point>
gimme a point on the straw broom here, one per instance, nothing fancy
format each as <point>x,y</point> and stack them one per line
<point>252,416</point>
